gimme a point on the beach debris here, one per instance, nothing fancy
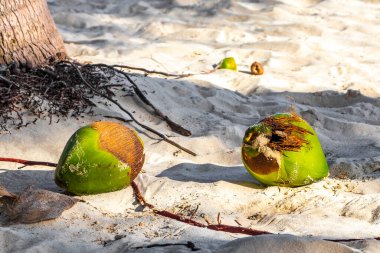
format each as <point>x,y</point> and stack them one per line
<point>101,157</point>
<point>34,205</point>
<point>50,92</point>
<point>178,128</point>
<point>228,63</point>
<point>190,245</point>
<point>284,150</point>
<point>174,126</point>
<point>67,88</point>
<point>257,68</point>
<point>190,221</point>
<point>116,238</point>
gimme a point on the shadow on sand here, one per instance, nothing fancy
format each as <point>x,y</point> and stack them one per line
<point>210,173</point>
<point>18,180</point>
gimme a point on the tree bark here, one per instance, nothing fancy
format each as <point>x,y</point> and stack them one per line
<point>28,34</point>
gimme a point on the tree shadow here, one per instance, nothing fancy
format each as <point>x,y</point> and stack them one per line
<point>347,123</point>
<point>210,173</point>
<point>141,9</point>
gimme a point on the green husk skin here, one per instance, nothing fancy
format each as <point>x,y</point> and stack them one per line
<point>84,168</point>
<point>228,63</point>
<point>297,168</point>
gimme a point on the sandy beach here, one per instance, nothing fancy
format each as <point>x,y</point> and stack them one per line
<point>320,58</point>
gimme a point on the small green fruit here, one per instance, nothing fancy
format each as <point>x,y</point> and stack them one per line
<point>101,157</point>
<point>228,63</point>
<point>284,150</point>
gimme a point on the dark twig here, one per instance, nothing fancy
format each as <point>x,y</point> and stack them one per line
<point>351,240</point>
<point>218,219</point>
<point>237,222</point>
<point>194,211</point>
<point>116,238</point>
<point>118,118</point>
<point>127,112</point>
<point>7,81</point>
<point>49,72</point>
<point>177,76</point>
<point>174,126</point>
<point>189,245</point>
<point>151,71</point>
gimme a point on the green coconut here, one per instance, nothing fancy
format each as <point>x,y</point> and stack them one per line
<point>228,63</point>
<point>99,158</point>
<point>284,150</point>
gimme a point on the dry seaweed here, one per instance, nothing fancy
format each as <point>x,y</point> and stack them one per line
<point>52,90</point>
<point>64,89</point>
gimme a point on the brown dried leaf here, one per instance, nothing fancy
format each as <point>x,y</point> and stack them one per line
<point>35,205</point>
<point>5,193</point>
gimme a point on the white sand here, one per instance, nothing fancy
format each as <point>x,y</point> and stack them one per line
<point>321,57</point>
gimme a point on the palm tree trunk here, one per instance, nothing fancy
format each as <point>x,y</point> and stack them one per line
<point>28,34</point>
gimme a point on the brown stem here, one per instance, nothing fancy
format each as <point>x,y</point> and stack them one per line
<point>218,219</point>
<point>27,163</point>
<point>237,230</point>
<point>140,198</point>
<point>179,218</point>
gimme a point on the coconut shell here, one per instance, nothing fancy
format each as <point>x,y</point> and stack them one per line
<point>284,150</point>
<point>101,157</point>
<point>228,63</point>
<point>123,143</point>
